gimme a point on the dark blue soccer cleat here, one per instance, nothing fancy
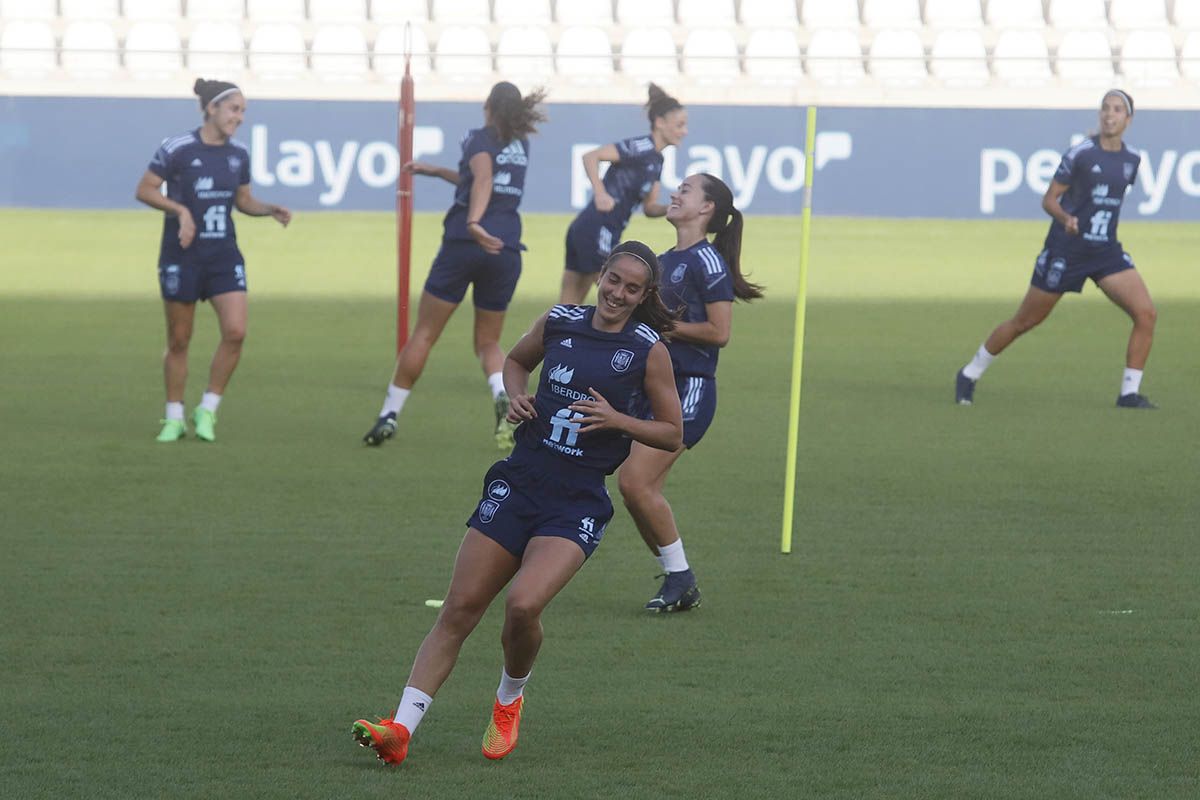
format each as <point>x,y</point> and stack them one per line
<point>677,593</point>
<point>964,389</point>
<point>1134,400</point>
<point>383,429</point>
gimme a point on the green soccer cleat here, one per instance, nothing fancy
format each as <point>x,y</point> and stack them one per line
<point>172,430</point>
<point>205,422</point>
<point>504,428</point>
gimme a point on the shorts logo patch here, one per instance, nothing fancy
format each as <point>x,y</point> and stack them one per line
<point>171,279</point>
<point>1057,267</point>
<point>678,273</point>
<point>487,510</point>
<point>498,490</point>
<point>622,359</point>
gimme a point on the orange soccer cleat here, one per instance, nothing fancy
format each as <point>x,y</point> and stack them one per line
<point>387,738</point>
<point>500,738</point>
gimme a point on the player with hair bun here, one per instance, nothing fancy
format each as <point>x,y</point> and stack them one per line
<point>633,177</point>
<point>207,173</point>
<point>543,509</point>
<point>1084,198</point>
<point>481,248</point>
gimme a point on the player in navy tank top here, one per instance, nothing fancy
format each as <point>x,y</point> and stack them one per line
<point>1084,200</point>
<point>207,173</point>
<point>635,168</point>
<point>543,510</point>
<point>701,279</point>
<point>481,248</point>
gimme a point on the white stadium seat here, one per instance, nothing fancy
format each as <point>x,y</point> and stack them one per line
<point>1186,14</point>
<point>1020,57</point>
<point>829,14</point>
<point>649,54</point>
<point>834,56</point>
<point>275,10</point>
<point>277,51</point>
<point>959,58</point>
<point>1189,56</point>
<point>27,9</point>
<point>108,10</point>
<point>1084,57</point>
<point>1131,15</point>
<point>216,49</point>
<point>398,12</point>
<point>351,12</point>
<point>764,13</point>
<point>644,12</point>
<point>897,57</point>
<point>522,12</point>
<point>461,12</point>
<point>339,53</point>
<point>89,50</point>
<point>216,10</point>
<point>584,55</point>
<point>575,12</point>
<point>1148,59</point>
<point>153,50</point>
<point>1071,15</point>
<point>710,55</point>
<point>525,52</point>
<point>463,53</point>
<point>150,10</point>
<point>773,56</point>
<point>706,13</point>
<point>27,48</point>
<point>1006,14</point>
<point>389,52</point>
<point>891,13</point>
<point>953,14</point>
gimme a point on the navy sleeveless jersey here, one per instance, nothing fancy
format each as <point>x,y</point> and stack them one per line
<point>204,178</point>
<point>578,357</point>
<point>691,279</point>
<point>1098,180</point>
<point>509,162</point>
<point>627,181</point>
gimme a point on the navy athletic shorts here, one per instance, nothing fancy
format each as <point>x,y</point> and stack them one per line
<point>698,399</point>
<point>189,280</point>
<point>459,264</point>
<point>588,246</point>
<point>1060,273</point>
<point>524,497</point>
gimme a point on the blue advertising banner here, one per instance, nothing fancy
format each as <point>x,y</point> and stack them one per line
<point>887,162</point>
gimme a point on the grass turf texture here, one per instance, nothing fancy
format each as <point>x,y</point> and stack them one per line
<point>985,602</point>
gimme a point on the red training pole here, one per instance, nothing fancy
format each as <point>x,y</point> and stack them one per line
<point>404,198</point>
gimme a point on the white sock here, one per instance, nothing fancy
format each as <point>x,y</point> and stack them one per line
<point>394,402</point>
<point>174,410</point>
<point>979,364</point>
<point>210,401</point>
<point>496,382</point>
<point>661,563</point>
<point>413,705</point>
<point>1131,381</point>
<point>510,688</point>
<point>673,559</point>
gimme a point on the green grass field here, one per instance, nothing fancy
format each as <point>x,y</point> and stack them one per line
<point>988,602</point>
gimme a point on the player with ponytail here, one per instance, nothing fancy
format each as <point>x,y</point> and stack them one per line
<point>701,279</point>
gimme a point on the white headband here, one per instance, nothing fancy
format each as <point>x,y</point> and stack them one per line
<point>224,94</point>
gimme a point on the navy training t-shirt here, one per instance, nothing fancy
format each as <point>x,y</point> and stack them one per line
<point>1097,181</point>
<point>509,162</point>
<point>692,278</point>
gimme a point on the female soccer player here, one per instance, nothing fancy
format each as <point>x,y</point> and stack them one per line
<point>632,178</point>
<point>704,279</point>
<point>1084,199</point>
<point>481,245</point>
<point>544,508</point>
<point>208,175</point>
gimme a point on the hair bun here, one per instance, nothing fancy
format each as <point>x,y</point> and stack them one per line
<point>198,86</point>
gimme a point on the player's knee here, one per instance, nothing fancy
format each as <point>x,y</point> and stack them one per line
<point>178,340</point>
<point>633,490</point>
<point>458,617</point>
<point>1146,317</point>
<point>1024,324</point>
<point>521,611</point>
<point>234,335</point>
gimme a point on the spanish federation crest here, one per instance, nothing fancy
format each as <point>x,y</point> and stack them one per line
<point>487,510</point>
<point>622,359</point>
<point>1128,170</point>
<point>678,273</point>
<point>235,163</point>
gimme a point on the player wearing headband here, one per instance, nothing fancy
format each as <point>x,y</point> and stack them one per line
<point>207,173</point>
<point>1084,199</point>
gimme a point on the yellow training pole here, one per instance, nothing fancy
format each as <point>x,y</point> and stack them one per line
<point>789,488</point>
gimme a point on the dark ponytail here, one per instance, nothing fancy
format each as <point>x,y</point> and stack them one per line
<point>651,311</point>
<point>726,223</point>
<point>513,115</point>
<point>660,104</point>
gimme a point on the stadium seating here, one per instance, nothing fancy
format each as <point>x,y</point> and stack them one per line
<point>387,12</point>
<point>574,12</point>
<point>1189,56</point>
<point>1132,15</point>
<point>822,14</point>
<point>1021,58</point>
<point>388,54</point>
<point>763,13</point>
<point>637,13</point>
<point>107,10</point>
<point>27,9</point>
<point>153,50</point>
<point>339,53</point>
<point>27,49</point>
<point>959,58</point>
<point>773,56</point>
<point>1148,58</point>
<point>89,50</point>
<point>524,53</point>
<point>1186,14</point>
<point>277,51</point>
<point>707,13</point>
<point>216,49</point>
<point>461,12</point>
<point>337,11</point>
<point>150,10</point>
<point>710,55</point>
<point>1009,14</point>
<point>835,57</point>
<point>463,53</point>
<point>897,57</point>
<point>275,10</point>
<point>1072,15</point>
<point>953,14</point>
<point>584,55</point>
<point>1085,58</point>
<point>215,10</point>
<point>891,14</point>
<point>649,54</point>
<point>522,12</point>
